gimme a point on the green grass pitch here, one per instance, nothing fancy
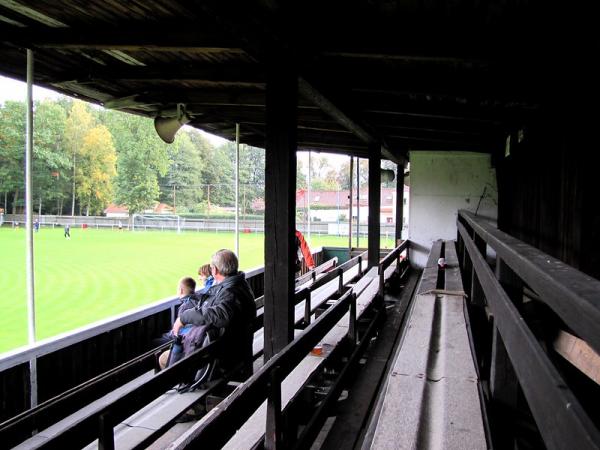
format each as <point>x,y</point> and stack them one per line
<point>100,273</point>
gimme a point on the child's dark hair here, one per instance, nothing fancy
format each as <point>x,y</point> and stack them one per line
<point>189,284</point>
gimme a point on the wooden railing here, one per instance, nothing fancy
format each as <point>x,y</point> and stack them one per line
<point>266,384</point>
<point>99,423</point>
<point>239,406</point>
<point>34,374</point>
<point>573,297</point>
<point>19,427</point>
<point>394,255</point>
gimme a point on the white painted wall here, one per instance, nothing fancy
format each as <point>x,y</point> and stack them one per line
<point>441,183</point>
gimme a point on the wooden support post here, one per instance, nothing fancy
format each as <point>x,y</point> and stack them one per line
<point>477,296</point>
<point>341,282</point>
<point>467,268</point>
<point>374,203</point>
<point>504,391</point>
<point>503,380</point>
<point>510,281</point>
<point>280,201</point>
<point>476,293</point>
<point>307,307</point>
<point>504,385</point>
<point>352,329</point>
<point>460,247</point>
<point>399,202</point>
<point>274,436</point>
<point>106,436</point>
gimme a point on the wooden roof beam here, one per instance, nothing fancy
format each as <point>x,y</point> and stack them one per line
<point>126,38</point>
<point>230,73</point>
<point>311,93</point>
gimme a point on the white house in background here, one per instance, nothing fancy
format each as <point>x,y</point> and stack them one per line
<point>329,206</point>
<point>121,211</point>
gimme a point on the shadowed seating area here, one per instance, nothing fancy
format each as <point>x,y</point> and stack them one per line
<point>479,329</point>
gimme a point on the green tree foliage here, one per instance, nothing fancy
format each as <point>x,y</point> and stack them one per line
<point>79,122</point>
<point>107,156</point>
<point>12,149</point>
<point>252,174</point>
<point>301,181</point>
<point>141,158</point>
<point>49,158</point>
<point>218,176</point>
<point>96,170</point>
<point>182,185</point>
<point>50,161</point>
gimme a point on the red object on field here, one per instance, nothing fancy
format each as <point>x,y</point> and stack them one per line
<point>246,230</point>
<point>84,225</point>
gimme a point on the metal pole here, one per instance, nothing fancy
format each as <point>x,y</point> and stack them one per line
<point>28,198</point>
<point>357,202</point>
<point>237,189</point>
<point>29,224</point>
<point>350,201</point>
<point>338,210</point>
<point>308,192</point>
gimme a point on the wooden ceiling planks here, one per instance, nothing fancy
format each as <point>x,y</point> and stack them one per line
<point>389,72</point>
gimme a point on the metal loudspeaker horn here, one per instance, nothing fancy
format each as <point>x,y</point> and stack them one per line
<point>387,175</point>
<point>167,127</point>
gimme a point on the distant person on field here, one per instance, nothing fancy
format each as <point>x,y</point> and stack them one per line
<point>120,226</point>
<point>36,226</point>
<point>68,231</point>
<point>303,253</point>
<point>229,307</point>
<point>206,278</point>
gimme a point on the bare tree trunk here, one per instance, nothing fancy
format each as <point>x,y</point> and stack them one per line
<point>40,206</point>
<point>14,205</point>
<point>73,204</point>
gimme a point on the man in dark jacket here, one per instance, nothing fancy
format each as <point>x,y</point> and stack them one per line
<point>228,306</point>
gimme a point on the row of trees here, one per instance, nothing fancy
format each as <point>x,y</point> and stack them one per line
<point>86,157</point>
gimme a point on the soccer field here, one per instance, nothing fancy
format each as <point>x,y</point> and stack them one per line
<point>100,273</point>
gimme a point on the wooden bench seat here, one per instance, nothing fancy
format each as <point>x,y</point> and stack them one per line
<point>253,430</point>
<point>430,398</point>
<point>159,416</point>
<point>43,436</point>
<point>153,420</point>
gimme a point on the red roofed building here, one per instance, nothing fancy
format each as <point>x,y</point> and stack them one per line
<point>163,208</point>
<point>113,210</point>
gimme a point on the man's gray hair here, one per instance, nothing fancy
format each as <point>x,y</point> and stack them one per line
<point>226,261</point>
